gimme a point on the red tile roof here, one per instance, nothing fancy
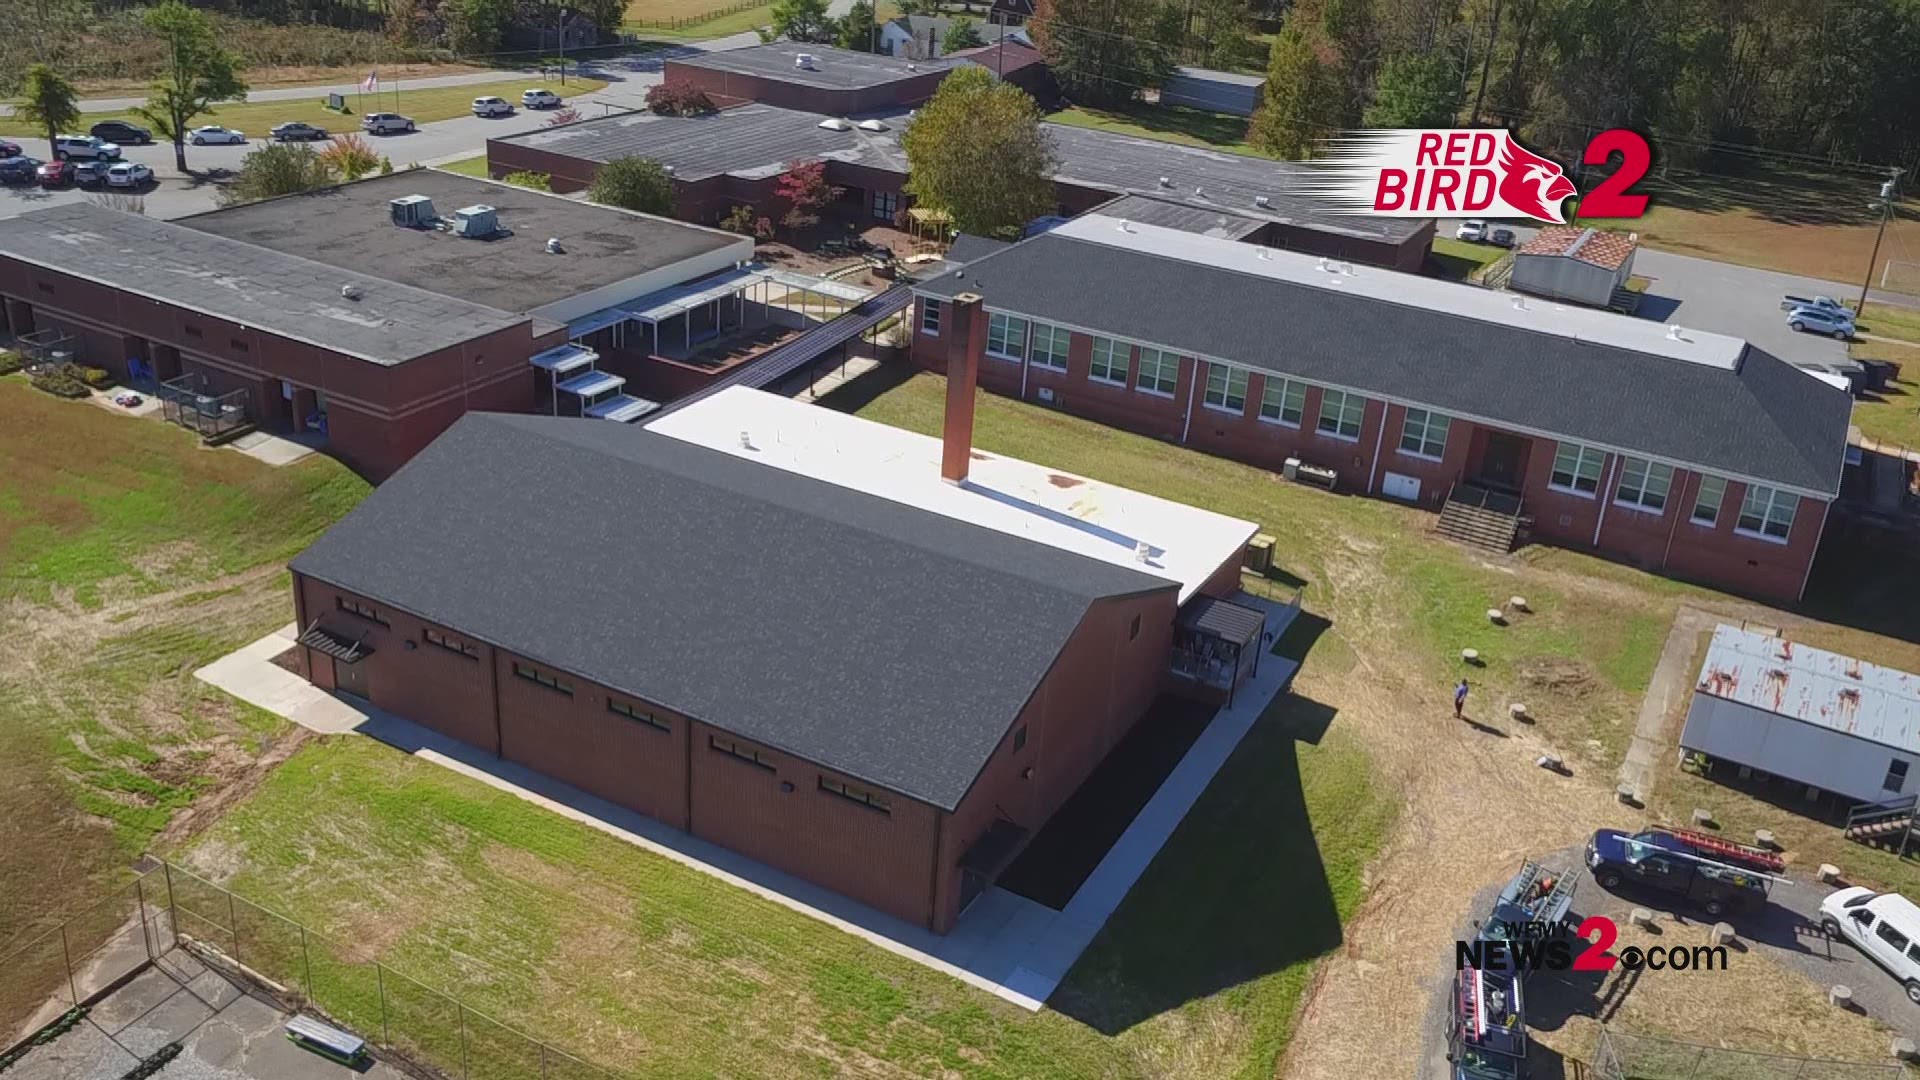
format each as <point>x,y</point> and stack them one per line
<point>1604,249</point>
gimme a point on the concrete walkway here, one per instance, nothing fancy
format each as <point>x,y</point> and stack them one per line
<point>1004,944</point>
<point>1672,679</point>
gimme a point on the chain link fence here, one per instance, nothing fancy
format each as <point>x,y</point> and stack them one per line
<point>1621,1056</point>
<point>686,21</point>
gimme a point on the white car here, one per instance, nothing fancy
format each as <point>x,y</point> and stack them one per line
<point>492,106</point>
<point>214,134</point>
<point>385,123</point>
<point>540,99</point>
<point>129,174</point>
<point>66,147</point>
<point>1885,926</point>
<point>1472,230</point>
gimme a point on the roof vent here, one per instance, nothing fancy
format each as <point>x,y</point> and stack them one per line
<point>1673,333</point>
<point>1125,225</point>
<point>1166,182</point>
<point>1519,303</point>
<point>834,123</point>
<point>668,169</point>
<point>871,125</point>
<point>1264,255</point>
<point>1143,552</point>
<point>1262,201</point>
<point>746,439</point>
<point>1323,262</point>
<point>476,222</point>
<point>803,61</point>
<point>1347,268</point>
<point>553,246</point>
<point>350,291</point>
<point>1198,194</point>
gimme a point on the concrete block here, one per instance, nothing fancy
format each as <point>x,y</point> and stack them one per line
<point>1471,656</point>
<point>1720,934</point>
<point>1903,1049</point>
<point>1702,817</point>
<point>1496,616</point>
<point>1841,996</point>
<point>1627,794</point>
<point>1764,838</point>
<point>1549,763</point>
<point>1517,603</point>
<point>1829,873</point>
<point>1640,917</point>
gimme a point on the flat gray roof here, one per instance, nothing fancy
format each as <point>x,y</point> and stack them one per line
<point>832,68</point>
<point>1174,214</point>
<point>748,141</point>
<point>348,226</point>
<point>280,293</point>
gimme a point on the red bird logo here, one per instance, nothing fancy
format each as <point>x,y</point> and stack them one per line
<point>1532,184</point>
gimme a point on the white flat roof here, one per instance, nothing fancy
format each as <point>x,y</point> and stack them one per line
<point>1467,301</point>
<point>1048,506</point>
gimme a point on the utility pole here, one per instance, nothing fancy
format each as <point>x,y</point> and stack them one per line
<point>563,46</point>
<point>1886,212</point>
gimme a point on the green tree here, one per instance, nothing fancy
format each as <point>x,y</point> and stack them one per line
<point>278,169</point>
<point>962,33</point>
<point>1217,33</point>
<point>1104,52</point>
<point>803,20</point>
<point>1301,101</point>
<point>633,183</point>
<point>1418,90</point>
<point>47,101</point>
<point>974,119</point>
<point>527,178</point>
<point>474,27</point>
<point>199,73</point>
<point>857,28</point>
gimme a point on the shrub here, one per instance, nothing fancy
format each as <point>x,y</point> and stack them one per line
<point>11,362</point>
<point>61,382</point>
<point>349,156</point>
<point>98,378</point>
<point>527,178</point>
<point>634,184</point>
<point>679,99</point>
<point>563,117</point>
<point>742,220</point>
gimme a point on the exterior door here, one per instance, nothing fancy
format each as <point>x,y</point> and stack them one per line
<point>351,679</point>
<point>1504,461</point>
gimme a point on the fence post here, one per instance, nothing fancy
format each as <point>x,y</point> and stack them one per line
<point>140,897</point>
<point>233,923</point>
<point>462,1010</point>
<point>543,1061</point>
<point>306,959</point>
<point>67,951</point>
<point>173,905</point>
<point>380,977</point>
<point>1698,1059</point>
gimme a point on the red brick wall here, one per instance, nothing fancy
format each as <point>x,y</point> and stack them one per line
<point>725,86</point>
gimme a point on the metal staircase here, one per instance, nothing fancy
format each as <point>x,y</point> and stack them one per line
<point>570,370</point>
<point>1890,825</point>
<point>1481,518</point>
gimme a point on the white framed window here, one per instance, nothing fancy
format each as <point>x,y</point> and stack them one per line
<point>1340,413</point>
<point>1767,513</point>
<point>1047,346</point>
<point>1282,401</point>
<point>1576,468</point>
<point>1643,484</point>
<point>1109,361</point>
<point>930,317</point>
<point>1006,336</point>
<point>885,205</point>
<point>1706,501</point>
<point>1159,371</point>
<point>1226,388</point>
<point>1424,434</point>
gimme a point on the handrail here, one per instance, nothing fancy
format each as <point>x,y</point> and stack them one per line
<point>1879,811</point>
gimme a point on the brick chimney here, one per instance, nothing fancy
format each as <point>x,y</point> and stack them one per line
<point>963,378</point>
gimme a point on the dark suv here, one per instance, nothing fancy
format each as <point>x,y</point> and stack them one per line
<point>119,131</point>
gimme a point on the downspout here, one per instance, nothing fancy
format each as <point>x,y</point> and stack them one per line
<point>1605,495</point>
<point>1379,437</point>
<point>1825,507</point>
<point>1186,425</point>
<point>933,874</point>
<point>1675,527</point>
<point>1026,360</point>
<point>686,786</point>
<point>493,674</point>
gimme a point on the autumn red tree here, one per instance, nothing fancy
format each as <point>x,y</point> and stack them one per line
<point>805,190</point>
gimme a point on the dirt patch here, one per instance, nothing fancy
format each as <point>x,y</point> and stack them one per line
<point>1064,481</point>
<point>1558,676</point>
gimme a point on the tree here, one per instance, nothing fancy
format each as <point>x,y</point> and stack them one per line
<point>474,27</point>
<point>526,178</point>
<point>962,33</point>
<point>803,20</point>
<point>349,157</point>
<point>277,169</point>
<point>633,183</point>
<point>47,101</point>
<point>563,116</point>
<point>741,219</point>
<point>857,28</point>
<point>804,188</point>
<point>1418,90</point>
<point>1104,52</point>
<point>199,72</point>
<point>1217,33</point>
<point>1301,102</point>
<point>975,119</point>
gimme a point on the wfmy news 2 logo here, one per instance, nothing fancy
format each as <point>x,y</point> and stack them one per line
<point>1481,172</point>
<point>1540,946</point>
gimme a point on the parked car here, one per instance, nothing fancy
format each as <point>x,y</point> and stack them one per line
<point>84,146</point>
<point>122,132</point>
<point>1814,320</point>
<point>1885,926</point>
<point>1824,303</point>
<point>214,134</point>
<point>1472,230</point>
<point>1501,238</point>
<point>492,106</point>
<point>295,129</point>
<point>541,99</point>
<point>55,174</point>
<point>91,173</point>
<point>385,123</point>
<point>19,169</point>
<point>1663,863</point>
<point>9,149</point>
<point>129,174</point>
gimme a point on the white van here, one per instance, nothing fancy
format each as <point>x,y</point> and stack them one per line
<point>1885,926</point>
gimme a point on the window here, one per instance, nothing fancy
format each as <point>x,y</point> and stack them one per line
<point>1576,468</point>
<point>1896,776</point>
<point>355,607</point>
<point>551,682</point>
<point>1047,346</point>
<point>1885,932</point>
<point>1643,484</point>
<point>1767,512</point>
<point>435,637</point>
<point>1109,361</point>
<point>635,712</point>
<point>1340,413</point>
<point>44,287</point>
<point>1226,388</point>
<point>192,330</point>
<point>930,318</point>
<point>1159,371</point>
<point>885,205</point>
<point>1020,738</point>
<point>1706,503</point>
<point>1006,336</point>
<point>740,751</point>
<point>1424,434</point>
<point>1283,401</point>
<point>869,799</point>
<point>237,345</point>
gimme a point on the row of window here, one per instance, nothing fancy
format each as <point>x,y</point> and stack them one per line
<point>1646,485</point>
<point>637,714</point>
<point>740,751</point>
<point>551,682</point>
<point>466,649</point>
<point>355,607</point>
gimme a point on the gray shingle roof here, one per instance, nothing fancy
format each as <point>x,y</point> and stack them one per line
<point>276,292</point>
<point>967,248</point>
<point>882,641</point>
<point>1767,421</point>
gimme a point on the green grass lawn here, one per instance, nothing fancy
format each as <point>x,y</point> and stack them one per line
<point>1890,417</point>
<point>736,23</point>
<point>1463,261</point>
<point>424,106</point>
<point>1885,320</point>
<point>1167,123</point>
<point>473,166</point>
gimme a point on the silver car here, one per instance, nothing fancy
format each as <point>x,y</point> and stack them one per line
<point>1813,320</point>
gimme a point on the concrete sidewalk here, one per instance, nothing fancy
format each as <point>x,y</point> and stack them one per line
<point>1005,944</point>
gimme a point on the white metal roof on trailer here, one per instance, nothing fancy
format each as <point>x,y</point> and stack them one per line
<point>1818,687</point>
<point>1467,301</point>
<point>1098,520</point>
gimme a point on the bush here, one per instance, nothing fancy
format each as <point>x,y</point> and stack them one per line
<point>349,157</point>
<point>98,378</point>
<point>678,99</point>
<point>527,178</point>
<point>742,220</point>
<point>62,381</point>
<point>11,362</point>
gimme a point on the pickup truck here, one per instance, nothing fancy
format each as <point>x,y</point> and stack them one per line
<point>1817,303</point>
<point>1661,862</point>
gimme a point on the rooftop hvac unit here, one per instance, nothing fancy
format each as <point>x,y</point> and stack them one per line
<point>1262,201</point>
<point>412,211</point>
<point>476,221</point>
<point>1316,475</point>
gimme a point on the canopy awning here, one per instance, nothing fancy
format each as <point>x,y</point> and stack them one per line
<point>1221,619</point>
<point>822,286</point>
<point>663,305</point>
<point>341,648</point>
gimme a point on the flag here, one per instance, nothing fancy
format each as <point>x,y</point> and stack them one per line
<point>371,82</point>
